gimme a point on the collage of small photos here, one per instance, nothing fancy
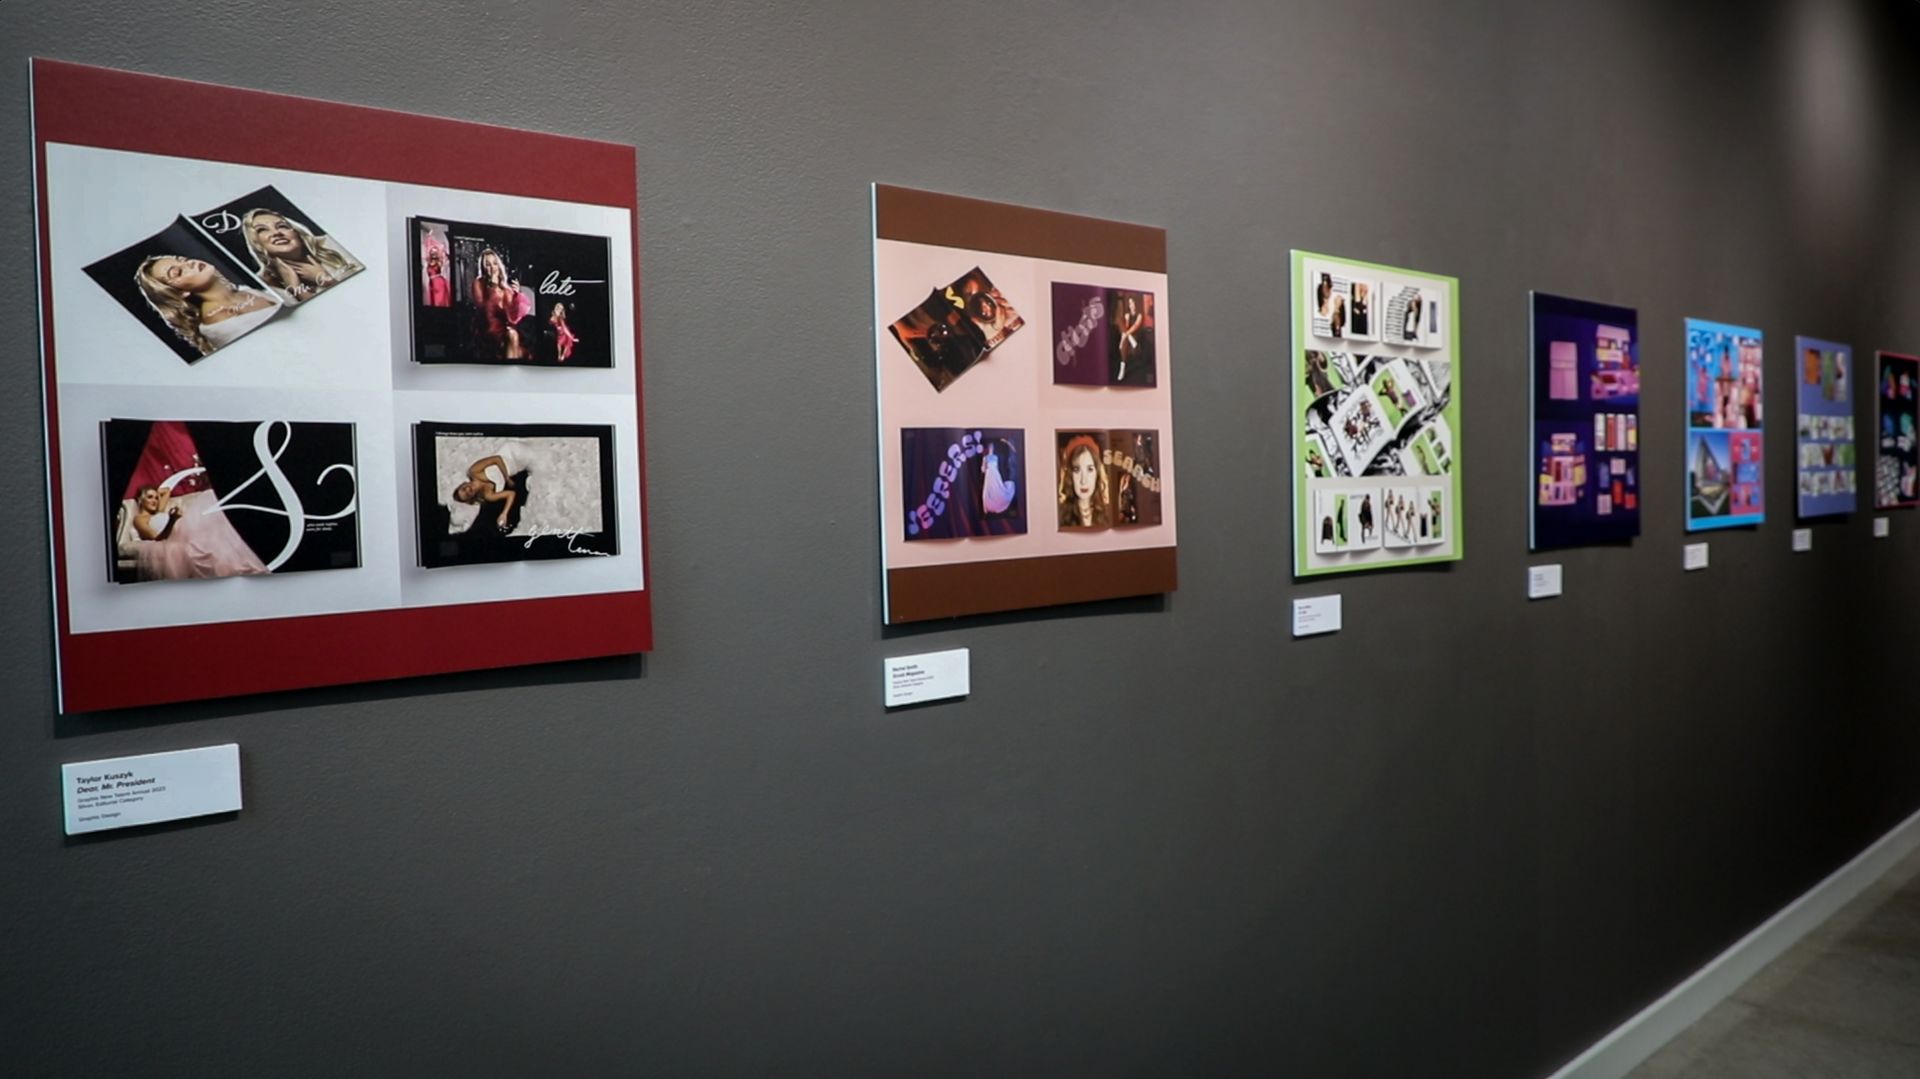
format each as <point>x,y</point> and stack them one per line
<point>1896,467</point>
<point>1376,416</point>
<point>340,386</point>
<point>1586,422</point>
<point>1823,430</point>
<point>1024,407</point>
<point>1726,483</point>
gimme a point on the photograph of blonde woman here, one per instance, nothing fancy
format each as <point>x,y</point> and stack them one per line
<point>294,262</point>
<point>199,303</point>
<point>499,294</point>
<point>280,244</point>
<point>188,293</point>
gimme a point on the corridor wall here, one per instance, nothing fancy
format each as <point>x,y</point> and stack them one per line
<point>1465,836</point>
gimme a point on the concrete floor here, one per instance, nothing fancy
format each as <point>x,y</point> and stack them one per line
<point>1843,1003</point>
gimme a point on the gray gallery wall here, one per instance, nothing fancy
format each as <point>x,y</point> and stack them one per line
<point>1464,837</point>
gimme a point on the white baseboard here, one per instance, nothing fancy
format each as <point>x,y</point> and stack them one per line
<point>1633,1041</point>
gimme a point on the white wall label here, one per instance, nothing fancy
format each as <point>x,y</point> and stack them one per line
<point>1803,539</point>
<point>1882,528</point>
<point>120,792</point>
<point>1693,556</point>
<point>1316,614</point>
<point>929,676</point>
<point>1543,581</point>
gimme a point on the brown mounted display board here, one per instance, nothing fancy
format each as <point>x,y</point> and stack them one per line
<point>1023,359</point>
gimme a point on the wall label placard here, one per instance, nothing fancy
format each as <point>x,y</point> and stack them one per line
<point>1882,528</point>
<point>1544,582</point>
<point>1693,556</point>
<point>120,792</point>
<point>929,676</point>
<point>1802,540</point>
<point>1315,615</point>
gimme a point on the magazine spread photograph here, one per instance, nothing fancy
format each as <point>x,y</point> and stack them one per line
<point>963,481</point>
<point>498,294</point>
<point>190,499</point>
<point>955,327</point>
<point>505,492</point>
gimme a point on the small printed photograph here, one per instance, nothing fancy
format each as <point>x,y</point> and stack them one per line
<point>1360,321</point>
<point>432,264</point>
<point>1102,336</point>
<point>1360,430</point>
<point>1318,465</point>
<point>1085,491</point>
<point>940,339</point>
<point>1563,370</point>
<point>1328,373</point>
<point>1133,466</point>
<point>1563,479</point>
<point>1709,474</point>
<point>1413,317</point>
<point>958,482</point>
<point>186,290</point>
<point>1328,301</point>
<point>1368,510</point>
<point>502,492</point>
<point>1130,339</point>
<point>504,295</point>
<point>1434,521</point>
<point>1413,516</point>
<point>1723,377</point>
<point>1430,451</point>
<point>1825,368</point>
<point>984,306</point>
<point>283,247</point>
<point>199,499</point>
<point>1348,519</point>
<point>1747,494</point>
<point>1393,387</point>
<point>1616,367</point>
<point>1332,527</point>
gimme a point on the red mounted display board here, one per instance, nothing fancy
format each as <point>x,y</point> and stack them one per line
<point>333,394</point>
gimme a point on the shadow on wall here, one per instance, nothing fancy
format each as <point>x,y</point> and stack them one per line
<point>571,672</point>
